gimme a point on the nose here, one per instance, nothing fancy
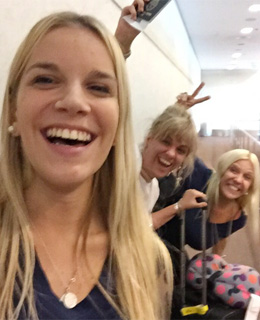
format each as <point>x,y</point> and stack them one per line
<point>74,101</point>
<point>171,152</point>
<point>239,178</point>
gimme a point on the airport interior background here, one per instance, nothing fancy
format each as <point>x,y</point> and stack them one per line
<point>163,64</point>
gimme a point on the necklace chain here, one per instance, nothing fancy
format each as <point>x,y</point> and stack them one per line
<point>69,299</point>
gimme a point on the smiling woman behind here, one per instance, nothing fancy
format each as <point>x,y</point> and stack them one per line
<point>73,233</point>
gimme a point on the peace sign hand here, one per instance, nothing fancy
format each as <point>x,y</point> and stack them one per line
<point>189,101</point>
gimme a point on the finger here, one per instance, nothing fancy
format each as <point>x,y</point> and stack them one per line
<point>198,192</point>
<point>199,100</point>
<point>198,89</point>
<point>139,5</point>
<point>132,10</point>
<point>202,204</point>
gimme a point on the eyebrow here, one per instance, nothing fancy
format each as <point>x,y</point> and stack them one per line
<point>97,74</point>
<point>43,65</point>
<point>237,166</point>
<point>102,75</point>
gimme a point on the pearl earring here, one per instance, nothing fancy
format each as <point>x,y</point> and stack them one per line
<point>10,129</point>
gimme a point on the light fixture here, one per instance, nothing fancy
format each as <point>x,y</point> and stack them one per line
<point>236,55</point>
<point>247,30</point>
<point>254,8</point>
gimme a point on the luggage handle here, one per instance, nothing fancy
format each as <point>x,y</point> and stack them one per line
<point>203,307</point>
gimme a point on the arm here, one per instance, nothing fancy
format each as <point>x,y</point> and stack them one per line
<point>219,247</point>
<point>125,34</point>
<point>189,101</point>
<point>189,200</point>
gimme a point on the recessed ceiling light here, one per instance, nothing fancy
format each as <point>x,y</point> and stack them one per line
<point>246,30</point>
<point>254,8</point>
<point>236,55</point>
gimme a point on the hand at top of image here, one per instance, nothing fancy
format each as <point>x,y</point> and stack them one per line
<point>125,33</point>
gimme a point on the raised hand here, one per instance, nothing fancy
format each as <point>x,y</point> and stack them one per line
<point>125,33</point>
<point>189,100</point>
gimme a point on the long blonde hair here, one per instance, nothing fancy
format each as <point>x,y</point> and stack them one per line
<point>248,202</point>
<point>135,251</point>
<point>175,122</point>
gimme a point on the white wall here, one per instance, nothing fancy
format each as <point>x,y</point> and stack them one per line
<point>234,100</point>
<point>162,63</point>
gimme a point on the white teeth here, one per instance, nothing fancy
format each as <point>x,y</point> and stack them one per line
<point>65,134</point>
<point>165,162</point>
<point>68,134</point>
<point>58,133</point>
<point>73,135</point>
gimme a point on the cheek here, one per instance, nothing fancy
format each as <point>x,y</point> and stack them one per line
<point>248,184</point>
<point>181,158</point>
<point>110,121</point>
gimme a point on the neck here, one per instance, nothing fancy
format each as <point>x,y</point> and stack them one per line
<point>145,175</point>
<point>61,210</point>
<point>225,210</point>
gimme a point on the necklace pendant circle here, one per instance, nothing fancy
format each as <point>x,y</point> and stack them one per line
<point>69,300</point>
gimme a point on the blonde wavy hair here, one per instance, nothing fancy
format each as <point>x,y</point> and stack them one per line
<point>135,250</point>
<point>176,123</point>
<point>248,202</point>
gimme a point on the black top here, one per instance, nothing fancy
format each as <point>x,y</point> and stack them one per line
<point>94,306</point>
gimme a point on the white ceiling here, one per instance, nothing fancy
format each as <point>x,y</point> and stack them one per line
<point>214,29</point>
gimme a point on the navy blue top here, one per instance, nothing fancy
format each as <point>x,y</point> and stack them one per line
<point>94,306</point>
<point>171,231</point>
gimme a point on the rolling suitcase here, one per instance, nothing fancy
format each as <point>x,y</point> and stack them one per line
<point>189,303</point>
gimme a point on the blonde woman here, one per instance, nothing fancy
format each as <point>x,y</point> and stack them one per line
<point>75,242</point>
<point>233,193</point>
<point>170,146</point>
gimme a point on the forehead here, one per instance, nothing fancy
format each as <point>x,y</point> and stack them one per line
<point>178,141</point>
<point>73,47</point>
<point>244,164</point>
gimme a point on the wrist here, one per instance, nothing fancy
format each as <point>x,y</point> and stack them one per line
<point>127,54</point>
<point>178,207</point>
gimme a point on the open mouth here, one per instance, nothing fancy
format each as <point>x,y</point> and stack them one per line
<point>68,137</point>
<point>164,162</point>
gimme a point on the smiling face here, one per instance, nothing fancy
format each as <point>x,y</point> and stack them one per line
<point>159,158</point>
<point>237,179</point>
<point>67,107</point>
